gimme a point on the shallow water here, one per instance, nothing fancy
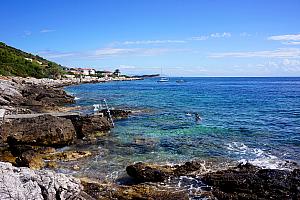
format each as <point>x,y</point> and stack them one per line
<point>243,119</point>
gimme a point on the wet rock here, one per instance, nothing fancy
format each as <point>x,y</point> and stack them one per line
<point>250,182</point>
<point>144,172</point>
<point>138,192</point>
<point>24,183</point>
<point>45,130</point>
<point>149,173</point>
<point>188,167</point>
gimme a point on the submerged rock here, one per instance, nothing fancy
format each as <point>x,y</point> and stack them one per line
<point>24,183</point>
<point>45,130</point>
<point>250,182</point>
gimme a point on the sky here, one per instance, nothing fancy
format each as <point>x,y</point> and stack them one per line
<point>177,37</point>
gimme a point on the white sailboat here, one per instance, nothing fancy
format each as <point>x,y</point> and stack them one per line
<point>163,79</point>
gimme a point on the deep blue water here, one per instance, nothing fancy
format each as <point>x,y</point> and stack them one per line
<point>243,119</point>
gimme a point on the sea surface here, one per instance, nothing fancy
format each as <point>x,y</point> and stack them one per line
<point>253,120</point>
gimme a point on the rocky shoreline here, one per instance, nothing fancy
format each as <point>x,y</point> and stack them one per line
<point>28,152</point>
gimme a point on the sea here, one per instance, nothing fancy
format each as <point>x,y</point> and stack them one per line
<point>254,120</point>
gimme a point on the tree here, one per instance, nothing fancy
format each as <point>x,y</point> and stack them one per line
<point>117,72</point>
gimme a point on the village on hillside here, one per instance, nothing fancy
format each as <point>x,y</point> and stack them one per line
<point>90,73</point>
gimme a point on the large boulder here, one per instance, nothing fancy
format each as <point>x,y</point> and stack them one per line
<point>250,182</point>
<point>44,130</point>
<point>91,125</point>
<point>24,183</point>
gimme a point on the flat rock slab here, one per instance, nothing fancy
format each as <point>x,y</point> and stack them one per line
<point>22,116</point>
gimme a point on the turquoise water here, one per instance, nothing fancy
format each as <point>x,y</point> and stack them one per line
<point>243,119</point>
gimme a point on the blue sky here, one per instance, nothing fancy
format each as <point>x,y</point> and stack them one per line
<point>184,37</point>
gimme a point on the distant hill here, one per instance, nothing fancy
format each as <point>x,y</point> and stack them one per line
<point>14,62</point>
<point>147,76</point>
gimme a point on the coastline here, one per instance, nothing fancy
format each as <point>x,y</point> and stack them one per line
<point>33,157</point>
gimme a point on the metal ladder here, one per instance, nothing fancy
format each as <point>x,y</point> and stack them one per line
<point>109,114</point>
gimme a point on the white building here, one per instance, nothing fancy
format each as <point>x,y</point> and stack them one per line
<point>87,71</point>
<point>29,59</point>
<point>106,74</point>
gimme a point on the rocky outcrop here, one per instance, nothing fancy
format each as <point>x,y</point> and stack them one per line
<point>24,95</point>
<point>45,130</point>
<point>250,182</point>
<point>144,172</point>
<point>24,183</point>
<point>45,96</point>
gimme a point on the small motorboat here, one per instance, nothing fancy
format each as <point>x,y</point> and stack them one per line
<point>180,81</point>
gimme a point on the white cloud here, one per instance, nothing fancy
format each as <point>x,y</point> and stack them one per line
<point>220,35</point>
<point>285,65</point>
<point>139,42</point>
<point>46,30</point>
<point>111,52</point>
<point>200,38</point>
<point>278,53</point>
<point>245,34</point>
<point>212,35</point>
<point>295,37</point>
<point>55,54</point>
<point>289,62</point>
<point>127,67</point>
<point>108,52</point>
<point>292,43</point>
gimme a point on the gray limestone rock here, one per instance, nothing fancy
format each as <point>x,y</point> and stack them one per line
<point>24,183</point>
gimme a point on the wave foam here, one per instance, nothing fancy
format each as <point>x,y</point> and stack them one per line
<point>256,156</point>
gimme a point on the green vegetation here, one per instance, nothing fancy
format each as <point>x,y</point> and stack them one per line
<point>117,72</point>
<point>14,62</point>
